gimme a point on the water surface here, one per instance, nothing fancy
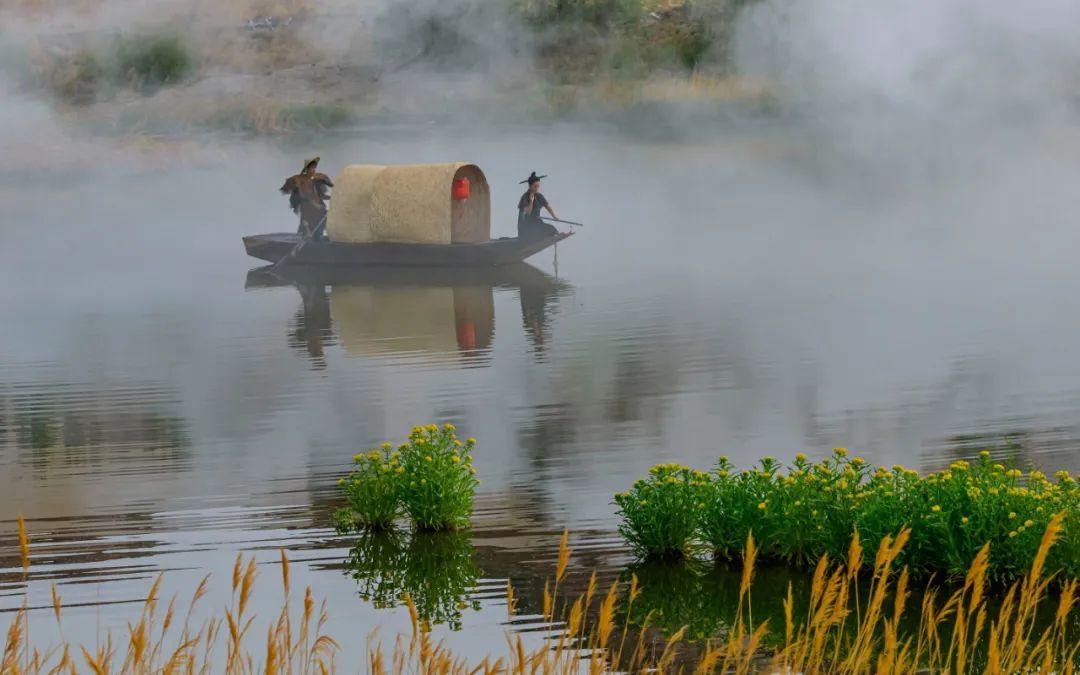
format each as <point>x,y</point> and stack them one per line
<point>161,409</point>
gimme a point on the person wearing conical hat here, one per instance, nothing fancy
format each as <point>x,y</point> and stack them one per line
<point>307,192</point>
<point>529,209</point>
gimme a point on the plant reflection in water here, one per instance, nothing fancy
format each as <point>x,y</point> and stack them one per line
<point>704,597</point>
<point>435,569</point>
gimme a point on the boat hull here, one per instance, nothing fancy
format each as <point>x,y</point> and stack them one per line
<point>274,247</point>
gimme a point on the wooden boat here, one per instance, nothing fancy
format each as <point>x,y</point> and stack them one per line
<point>425,215</point>
<point>274,247</point>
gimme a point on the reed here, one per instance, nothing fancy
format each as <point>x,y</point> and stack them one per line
<point>954,633</point>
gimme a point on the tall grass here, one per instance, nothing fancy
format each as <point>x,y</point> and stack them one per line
<point>955,633</point>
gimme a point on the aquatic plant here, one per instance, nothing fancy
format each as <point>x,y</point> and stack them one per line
<point>814,509</point>
<point>955,633</point>
<point>372,491</point>
<point>660,513</point>
<point>439,480</point>
<point>430,478</point>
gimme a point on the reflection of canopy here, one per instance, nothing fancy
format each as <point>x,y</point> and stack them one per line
<point>437,319</point>
<point>409,203</point>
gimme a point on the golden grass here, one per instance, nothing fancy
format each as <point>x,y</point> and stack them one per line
<point>955,634</point>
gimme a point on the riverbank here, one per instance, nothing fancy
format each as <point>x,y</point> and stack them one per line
<point>296,67</point>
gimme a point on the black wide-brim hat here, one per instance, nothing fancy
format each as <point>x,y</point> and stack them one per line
<point>532,178</point>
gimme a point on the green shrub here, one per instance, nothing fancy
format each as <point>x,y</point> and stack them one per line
<point>813,509</point>
<point>438,482</point>
<point>147,62</point>
<point>660,513</point>
<point>371,491</point>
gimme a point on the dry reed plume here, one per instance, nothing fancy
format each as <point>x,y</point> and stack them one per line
<point>841,630</point>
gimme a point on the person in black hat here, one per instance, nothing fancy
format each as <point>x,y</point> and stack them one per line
<point>529,223</point>
<point>307,192</point>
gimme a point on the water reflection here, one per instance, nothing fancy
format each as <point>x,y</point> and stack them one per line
<point>435,569</point>
<point>406,311</point>
<point>704,598</point>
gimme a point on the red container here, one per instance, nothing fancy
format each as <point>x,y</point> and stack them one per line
<point>460,189</point>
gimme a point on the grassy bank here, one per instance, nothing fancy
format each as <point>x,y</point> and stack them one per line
<point>809,510</point>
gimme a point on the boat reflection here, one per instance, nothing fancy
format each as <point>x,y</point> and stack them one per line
<point>410,311</point>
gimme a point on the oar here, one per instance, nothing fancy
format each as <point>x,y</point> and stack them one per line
<point>299,245</point>
<point>568,222</point>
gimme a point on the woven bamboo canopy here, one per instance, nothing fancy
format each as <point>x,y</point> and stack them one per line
<point>409,203</point>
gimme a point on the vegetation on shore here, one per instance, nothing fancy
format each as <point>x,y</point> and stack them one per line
<point>430,478</point>
<point>815,509</point>
<point>573,56</point>
<point>843,630</point>
<point>143,63</point>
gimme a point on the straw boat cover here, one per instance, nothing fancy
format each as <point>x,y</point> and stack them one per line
<point>408,203</point>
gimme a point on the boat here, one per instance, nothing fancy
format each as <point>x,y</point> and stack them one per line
<point>420,215</point>
<point>506,251</point>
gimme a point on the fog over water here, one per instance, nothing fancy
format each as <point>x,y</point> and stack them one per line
<point>886,262</point>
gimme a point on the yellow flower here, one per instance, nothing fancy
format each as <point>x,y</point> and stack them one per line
<point>935,508</point>
<point>964,520</point>
<point>999,467</point>
<point>858,461</point>
<point>373,455</point>
<point>761,506</point>
<point>455,459</point>
<point>341,481</point>
<point>800,457</point>
<point>457,443</point>
<point>472,470</point>
<point>400,469</point>
<point>357,458</point>
<point>1012,514</point>
<point>423,481</point>
<point>1012,534</point>
<point>643,502</point>
<point>984,453</point>
<point>428,458</point>
<point>1029,523</point>
<point>840,452</point>
<point>449,427</point>
<point>701,505</point>
<point>471,441</point>
<point>387,445</point>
